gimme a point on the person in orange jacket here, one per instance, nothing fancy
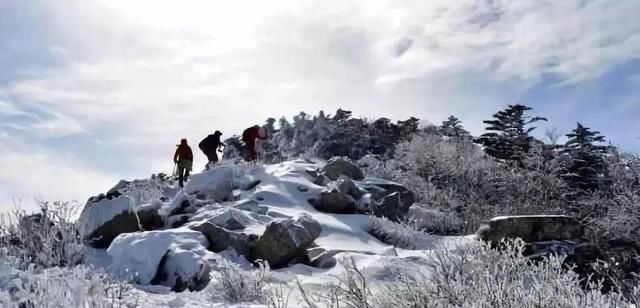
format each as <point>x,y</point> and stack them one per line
<point>183,158</point>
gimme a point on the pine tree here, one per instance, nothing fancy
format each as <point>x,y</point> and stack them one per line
<point>452,127</point>
<point>586,169</point>
<point>509,137</point>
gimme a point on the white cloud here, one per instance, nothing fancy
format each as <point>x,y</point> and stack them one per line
<point>46,176</point>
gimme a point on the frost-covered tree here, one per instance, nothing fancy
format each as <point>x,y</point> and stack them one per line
<point>509,133</point>
<point>452,127</point>
<point>586,168</point>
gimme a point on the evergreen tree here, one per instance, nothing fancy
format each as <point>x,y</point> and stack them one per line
<point>509,137</point>
<point>452,127</point>
<point>586,169</point>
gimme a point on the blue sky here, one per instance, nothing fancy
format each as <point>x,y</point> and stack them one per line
<point>95,91</point>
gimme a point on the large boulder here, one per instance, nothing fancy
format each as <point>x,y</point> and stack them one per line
<point>318,178</point>
<point>216,185</point>
<point>338,166</point>
<point>532,228</point>
<point>391,207</point>
<point>379,188</point>
<point>332,200</point>
<point>103,219</point>
<point>346,186</point>
<point>252,206</point>
<point>182,269</point>
<point>221,239</point>
<point>137,256</point>
<point>284,240</point>
<point>227,217</point>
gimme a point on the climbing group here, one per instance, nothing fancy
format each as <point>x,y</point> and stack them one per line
<point>252,139</point>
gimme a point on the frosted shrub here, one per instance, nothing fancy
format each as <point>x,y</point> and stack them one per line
<point>234,285</point>
<point>471,276</point>
<point>478,276</point>
<point>453,175</point>
<point>433,220</point>
<point>46,239</point>
<point>402,235</point>
<point>66,287</point>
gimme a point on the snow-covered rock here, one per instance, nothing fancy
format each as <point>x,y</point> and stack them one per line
<point>391,207</point>
<point>338,166</point>
<point>102,220</point>
<point>136,256</point>
<point>284,240</point>
<point>216,184</point>
<point>221,239</point>
<point>380,188</point>
<point>226,217</point>
<point>370,161</point>
<point>181,269</point>
<point>346,185</point>
<point>332,200</point>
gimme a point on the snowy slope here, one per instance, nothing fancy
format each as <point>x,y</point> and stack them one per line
<point>281,190</point>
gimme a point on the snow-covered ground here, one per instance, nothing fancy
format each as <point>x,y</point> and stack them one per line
<point>284,189</point>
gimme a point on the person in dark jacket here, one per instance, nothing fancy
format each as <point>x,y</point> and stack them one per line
<point>210,145</point>
<point>184,159</point>
<point>250,136</point>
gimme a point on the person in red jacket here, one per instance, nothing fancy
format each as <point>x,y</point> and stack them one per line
<point>249,137</point>
<point>184,159</point>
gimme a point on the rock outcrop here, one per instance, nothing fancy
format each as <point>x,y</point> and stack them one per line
<point>283,240</point>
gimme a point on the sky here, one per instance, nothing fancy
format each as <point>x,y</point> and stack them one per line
<point>93,91</point>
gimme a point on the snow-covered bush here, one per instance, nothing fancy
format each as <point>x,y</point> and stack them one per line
<point>326,136</point>
<point>478,276</point>
<point>433,220</point>
<point>46,239</point>
<point>471,276</point>
<point>453,175</point>
<point>232,284</point>
<point>79,286</point>
<point>402,235</point>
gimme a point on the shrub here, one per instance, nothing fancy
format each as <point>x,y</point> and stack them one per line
<point>473,276</point>
<point>234,285</point>
<point>46,239</point>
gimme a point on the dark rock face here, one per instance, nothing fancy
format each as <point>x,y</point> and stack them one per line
<point>391,207</point>
<point>338,166</point>
<point>533,228</point>
<point>318,178</point>
<point>285,240</point>
<point>99,233</point>
<point>334,201</point>
<point>346,186</point>
<point>380,188</point>
<point>221,239</point>
<point>174,272</point>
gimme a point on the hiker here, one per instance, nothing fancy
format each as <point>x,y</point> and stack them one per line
<point>184,160</point>
<point>250,136</point>
<point>210,145</point>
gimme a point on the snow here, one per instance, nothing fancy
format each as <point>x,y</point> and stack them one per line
<point>210,181</point>
<point>283,191</point>
<point>136,256</point>
<point>525,216</point>
<point>100,212</point>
